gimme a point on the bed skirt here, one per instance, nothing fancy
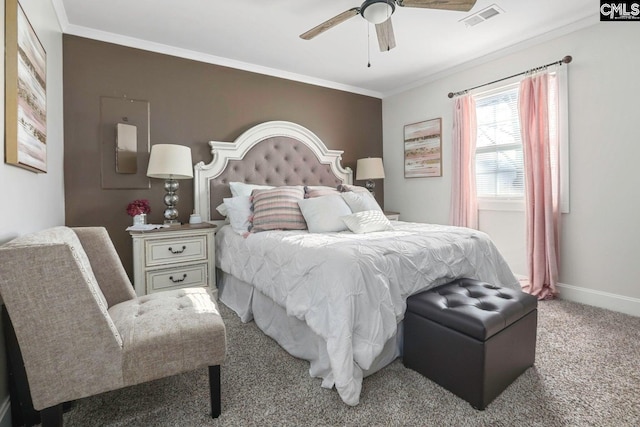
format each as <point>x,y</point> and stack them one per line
<point>291,333</point>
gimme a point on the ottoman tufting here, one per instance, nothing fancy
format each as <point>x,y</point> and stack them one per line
<point>471,337</point>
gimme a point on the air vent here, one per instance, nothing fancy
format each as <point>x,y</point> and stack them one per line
<point>482,15</point>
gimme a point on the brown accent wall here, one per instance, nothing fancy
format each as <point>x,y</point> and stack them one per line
<point>191,103</point>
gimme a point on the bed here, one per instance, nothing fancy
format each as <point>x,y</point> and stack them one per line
<point>336,299</point>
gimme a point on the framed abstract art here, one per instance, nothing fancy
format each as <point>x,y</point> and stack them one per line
<point>423,149</point>
<point>25,92</point>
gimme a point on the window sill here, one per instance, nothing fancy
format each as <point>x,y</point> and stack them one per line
<point>512,205</point>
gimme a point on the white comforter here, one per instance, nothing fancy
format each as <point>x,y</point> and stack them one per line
<point>350,289</point>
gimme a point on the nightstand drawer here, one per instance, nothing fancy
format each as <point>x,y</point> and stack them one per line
<point>174,257</point>
<point>178,277</point>
<point>167,251</point>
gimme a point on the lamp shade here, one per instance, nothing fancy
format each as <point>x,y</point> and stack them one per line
<point>377,11</point>
<point>170,161</point>
<point>369,168</point>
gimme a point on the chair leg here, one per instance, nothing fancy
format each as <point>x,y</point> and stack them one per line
<point>214,386</point>
<point>22,412</point>
<point>52,416</point>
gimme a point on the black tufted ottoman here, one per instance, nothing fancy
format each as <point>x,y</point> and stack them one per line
<point>472,338</point>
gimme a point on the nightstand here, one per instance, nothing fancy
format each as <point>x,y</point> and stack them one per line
<point>175,257</point>
<point>392,216</point>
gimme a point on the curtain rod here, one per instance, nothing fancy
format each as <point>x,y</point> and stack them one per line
<point>564,60</point>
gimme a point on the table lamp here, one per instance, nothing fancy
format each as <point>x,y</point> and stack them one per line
<point>369,169</point>
<point>171,163</point>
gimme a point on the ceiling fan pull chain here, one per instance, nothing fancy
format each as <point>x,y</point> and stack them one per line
<point>368,47</point>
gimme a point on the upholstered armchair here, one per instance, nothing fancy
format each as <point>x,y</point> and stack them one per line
<point>81,329</point>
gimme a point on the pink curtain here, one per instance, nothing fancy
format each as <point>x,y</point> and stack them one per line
<point>538,111</point>
<point>464,206</point>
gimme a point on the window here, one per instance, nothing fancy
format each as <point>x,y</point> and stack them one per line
<point>499,160</point>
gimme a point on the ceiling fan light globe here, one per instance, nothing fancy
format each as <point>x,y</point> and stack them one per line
<point>377,11</point>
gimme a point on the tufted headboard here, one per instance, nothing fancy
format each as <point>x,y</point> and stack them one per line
<point>273,153</point>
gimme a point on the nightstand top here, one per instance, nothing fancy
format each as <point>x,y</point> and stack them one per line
<point>181,227</point>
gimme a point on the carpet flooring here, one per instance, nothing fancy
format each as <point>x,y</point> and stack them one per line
<point>587,373</point>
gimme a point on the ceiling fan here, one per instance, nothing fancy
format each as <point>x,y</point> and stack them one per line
<point>379,12</point>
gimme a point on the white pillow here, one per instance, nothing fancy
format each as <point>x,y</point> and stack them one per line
<point>243,189</point>
<point>239,213</point>
<point>360,201</point>
<point>222,209</point>
<point>322,214</point>
<point>367,222</point>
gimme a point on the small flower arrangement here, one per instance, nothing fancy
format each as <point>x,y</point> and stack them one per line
<point>138,207</point>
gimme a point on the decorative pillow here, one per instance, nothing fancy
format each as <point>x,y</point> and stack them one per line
<point>311,191</point>
<point>360,201</point>
<point>243,189</point>
<point>239,213</point>
<point>343,188</point>
<point>367,222</point>
<point>277,209</point>
<point>322,214</point>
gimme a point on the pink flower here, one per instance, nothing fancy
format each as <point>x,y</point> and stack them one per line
<point>138,207</point>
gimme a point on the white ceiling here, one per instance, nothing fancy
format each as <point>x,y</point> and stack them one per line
<point>263,36</point>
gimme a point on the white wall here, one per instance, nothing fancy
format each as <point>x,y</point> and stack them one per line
<point>33,201</point>
<point>600,236</point>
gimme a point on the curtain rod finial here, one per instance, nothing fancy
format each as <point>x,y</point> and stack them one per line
<point>567,59</point>
<point>450,95</point>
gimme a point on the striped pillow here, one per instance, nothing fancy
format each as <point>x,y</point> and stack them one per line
<point>277,209</point>
<point>311,191</point>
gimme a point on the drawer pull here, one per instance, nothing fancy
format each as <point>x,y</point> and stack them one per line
<point>184,276</point>
<point>177,251</point>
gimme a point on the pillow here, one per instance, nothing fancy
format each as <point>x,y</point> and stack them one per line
<point>343,188</point>
<point>243,189</point>
<point>222,209</point>
<point>311,191</point>
<point>277,209</point>
<point>322,214</point>
<point>367,222</point>
<point>359,201</point>
<point>239,213</point>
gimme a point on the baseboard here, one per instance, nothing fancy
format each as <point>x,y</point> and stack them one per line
<point>615,302</point>
<point>5,413</point>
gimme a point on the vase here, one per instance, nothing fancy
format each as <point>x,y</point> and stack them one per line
<point>140,219</point>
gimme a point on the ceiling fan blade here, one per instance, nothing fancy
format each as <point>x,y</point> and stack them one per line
<point>330,23</point>
<point>386,38</point>
<point>459,5</point>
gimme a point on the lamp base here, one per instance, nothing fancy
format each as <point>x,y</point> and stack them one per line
<point>370,185</point>
<point>171,200</point>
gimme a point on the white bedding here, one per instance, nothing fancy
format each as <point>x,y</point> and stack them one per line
<point>350,289</point>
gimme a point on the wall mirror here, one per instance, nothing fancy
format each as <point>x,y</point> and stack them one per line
<point>124,142</point>
<point>126,148</point>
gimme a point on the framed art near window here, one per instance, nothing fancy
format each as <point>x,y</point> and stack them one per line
<point>25,92</point>
<point>423,149</point>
